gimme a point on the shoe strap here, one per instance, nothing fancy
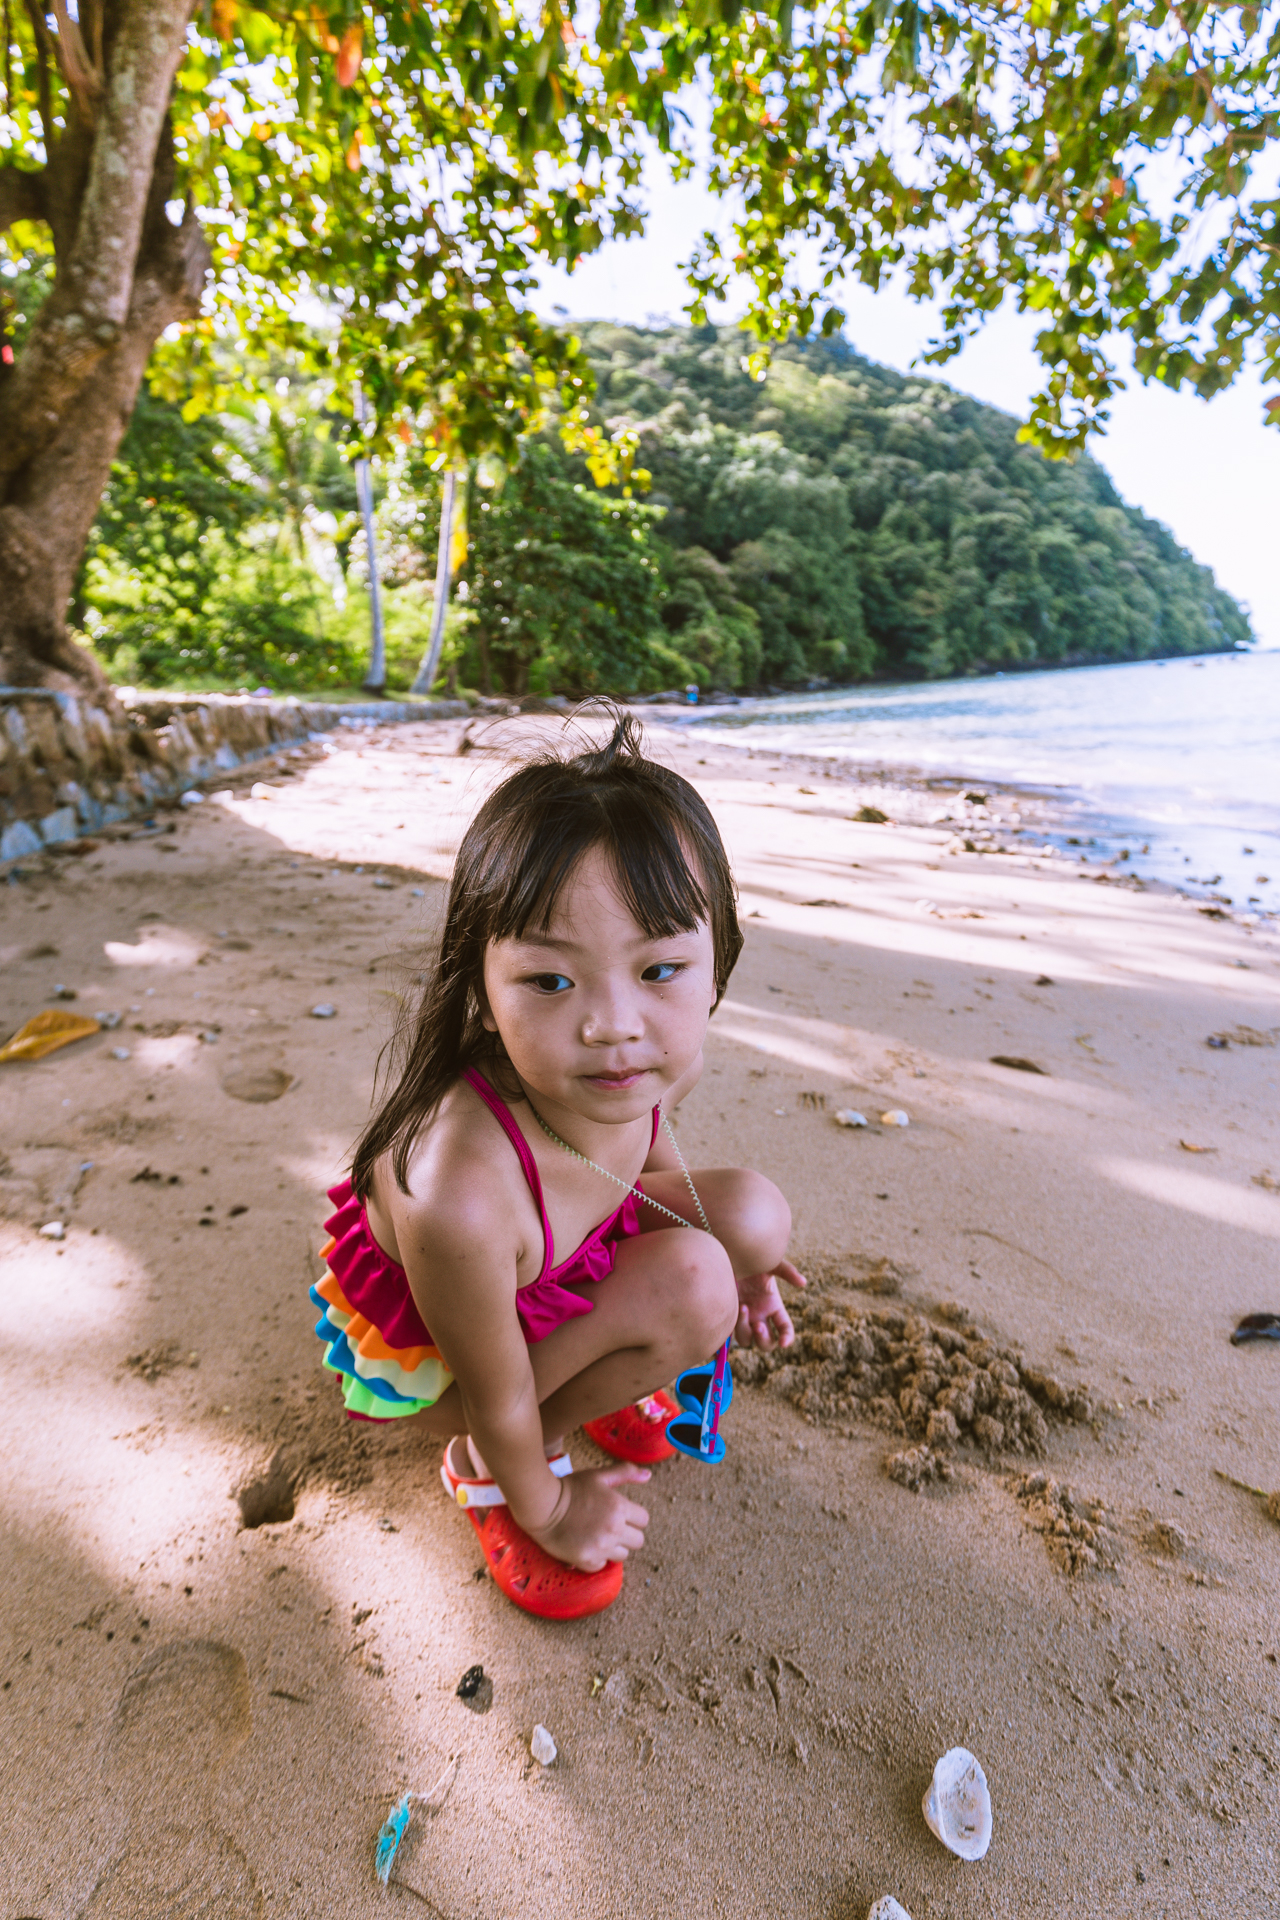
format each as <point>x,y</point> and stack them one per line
<point>487,1493</point>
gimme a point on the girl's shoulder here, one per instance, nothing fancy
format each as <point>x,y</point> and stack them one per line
<point>464,1182</point>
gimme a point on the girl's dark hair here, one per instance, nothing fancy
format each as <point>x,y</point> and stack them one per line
<point>515,858</point>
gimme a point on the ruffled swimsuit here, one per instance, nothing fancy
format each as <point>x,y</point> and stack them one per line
<point>374,1336</point>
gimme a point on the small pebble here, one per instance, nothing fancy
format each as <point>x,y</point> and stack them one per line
<point>542,1747</point>
<point>378,881</point>
<point>847,1117</point>
<point>120,1053</point>
<point>417,893</point>
<point>469,1685</point>
<point>325,1011</point>
<point>475,1689</point>
<point>54,1230</point>
<point>191,798</point>
<point>887,1908</point>
<point>895,1118</point>
<point>109,1021</point>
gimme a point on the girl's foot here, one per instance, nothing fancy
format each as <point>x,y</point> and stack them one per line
<point>526,1573</point>
<point>637,1432</point>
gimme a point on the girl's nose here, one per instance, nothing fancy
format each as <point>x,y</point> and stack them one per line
<point>611,1019</point>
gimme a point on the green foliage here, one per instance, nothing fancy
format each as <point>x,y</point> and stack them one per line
<point>838,520</point>
<point>409,165</point>
<point>1090,159</point>
<point>562,587</point>
<point>188,580</point>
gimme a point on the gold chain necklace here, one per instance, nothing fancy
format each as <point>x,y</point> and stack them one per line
<point>620,1182</point>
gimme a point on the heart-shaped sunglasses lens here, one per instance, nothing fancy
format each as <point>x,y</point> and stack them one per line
<point>694,1384</point>
<point>687,1436</point>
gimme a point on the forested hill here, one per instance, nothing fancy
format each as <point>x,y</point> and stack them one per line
<point>838,520</point>
<point>835,521</point>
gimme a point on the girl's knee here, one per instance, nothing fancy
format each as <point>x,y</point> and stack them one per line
<point>760,1216</point>
<point>706,1294</point>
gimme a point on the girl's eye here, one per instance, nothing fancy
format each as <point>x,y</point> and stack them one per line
<point>551,982</point>
<point>660,972</point>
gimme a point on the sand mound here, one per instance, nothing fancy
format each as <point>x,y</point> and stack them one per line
<point>1075,1528</point>
<point>945,1385</point>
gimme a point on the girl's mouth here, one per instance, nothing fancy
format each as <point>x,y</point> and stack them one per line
<point>616,1082</point>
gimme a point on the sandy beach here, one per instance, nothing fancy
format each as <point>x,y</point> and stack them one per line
<point>207,1717</point>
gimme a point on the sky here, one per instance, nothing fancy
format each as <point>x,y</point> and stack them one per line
<point>1210,470</point>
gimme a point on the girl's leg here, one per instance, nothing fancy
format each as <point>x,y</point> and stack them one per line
<point>669,1302</point>
<point>748,1215</point>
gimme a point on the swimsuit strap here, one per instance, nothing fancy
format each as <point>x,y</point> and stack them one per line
<point>506,1120</point>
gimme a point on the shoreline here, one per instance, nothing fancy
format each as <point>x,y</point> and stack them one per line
<point>1068,820</point>
<point>1142,813</point>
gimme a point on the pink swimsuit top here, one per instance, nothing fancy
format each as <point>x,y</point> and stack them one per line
<point>378,1287</point>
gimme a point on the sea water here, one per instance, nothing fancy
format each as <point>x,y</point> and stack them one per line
<point>1178,761</point>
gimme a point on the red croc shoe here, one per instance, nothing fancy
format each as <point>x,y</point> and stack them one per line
<point>637,1432</point>
<point>526,1573</point>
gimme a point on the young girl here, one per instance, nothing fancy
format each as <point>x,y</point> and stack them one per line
<point>520,1248</point>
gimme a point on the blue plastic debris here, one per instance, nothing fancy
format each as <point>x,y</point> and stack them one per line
<point>392,1834</point>
<point>396,1824</point>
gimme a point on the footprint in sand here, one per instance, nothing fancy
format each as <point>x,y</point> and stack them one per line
<point>183,1712</point>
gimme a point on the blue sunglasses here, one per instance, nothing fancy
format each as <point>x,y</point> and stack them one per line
<point>704,1393</point>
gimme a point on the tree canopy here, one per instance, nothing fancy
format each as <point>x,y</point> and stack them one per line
<point>406,169</point>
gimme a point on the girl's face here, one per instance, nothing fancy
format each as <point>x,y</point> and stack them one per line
<point>595,1016</point>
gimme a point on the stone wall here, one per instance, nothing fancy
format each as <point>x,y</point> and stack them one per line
<point>70,765</point>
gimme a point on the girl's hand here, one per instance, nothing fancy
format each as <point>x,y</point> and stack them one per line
<point>762,1318</point>
<point>594,1523</point>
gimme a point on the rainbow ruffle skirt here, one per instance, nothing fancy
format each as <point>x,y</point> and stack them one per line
<point>379,1381</point>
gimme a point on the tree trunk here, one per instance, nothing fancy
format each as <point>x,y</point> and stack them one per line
<point>124,272</point>
<point>429,666</point>
<point>375,680</point>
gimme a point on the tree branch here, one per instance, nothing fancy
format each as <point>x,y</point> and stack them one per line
<point>84,81</point>
<point>44,60</point>
<point>86,314</point>
<point>22,195</point>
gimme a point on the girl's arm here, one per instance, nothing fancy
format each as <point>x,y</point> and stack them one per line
<point>461,1262</point>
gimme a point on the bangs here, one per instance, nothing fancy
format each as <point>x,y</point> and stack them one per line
<point>644,843</point>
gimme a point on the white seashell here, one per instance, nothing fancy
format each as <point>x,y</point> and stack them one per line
<point>53,1230</point>
<point>542,1747</point>
<point>957,1807</point>
<point>887,1908</point>
<point>895,1118</point>
<point>848,1118</point>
